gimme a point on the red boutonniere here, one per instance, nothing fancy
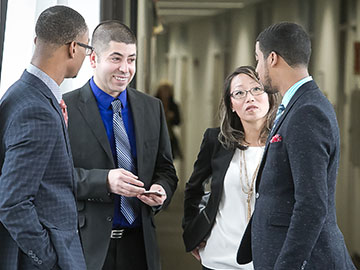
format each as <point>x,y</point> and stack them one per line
<point>276,138</point>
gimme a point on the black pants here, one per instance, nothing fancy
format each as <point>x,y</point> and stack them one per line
<point>204,268</point>
<point>127,252</point>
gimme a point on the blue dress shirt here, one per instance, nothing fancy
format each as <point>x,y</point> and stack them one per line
<point>292,90</point>
<point>104,104</point>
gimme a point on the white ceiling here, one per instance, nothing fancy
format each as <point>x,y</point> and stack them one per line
<point>170,11</point>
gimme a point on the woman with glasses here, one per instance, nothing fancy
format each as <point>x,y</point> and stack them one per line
<point>228,162</point>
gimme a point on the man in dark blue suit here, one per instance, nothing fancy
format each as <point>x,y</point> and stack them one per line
<point>294,222</point>
<point>38,215</point>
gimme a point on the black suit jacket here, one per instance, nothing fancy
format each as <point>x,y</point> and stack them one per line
<point>38,228</point>
<point>294,222</point>
<point>212,162</point>
<point>93,160</point>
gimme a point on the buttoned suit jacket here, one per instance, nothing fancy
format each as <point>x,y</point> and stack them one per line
<point>211,165</point>
<point>93,159</point>
<point>38,228</point>
<point>294,223</point>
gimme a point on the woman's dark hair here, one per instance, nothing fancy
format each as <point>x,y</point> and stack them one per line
<point>165,88</point>
<point>232,133</point>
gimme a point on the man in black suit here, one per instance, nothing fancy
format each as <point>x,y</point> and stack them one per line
<point>113,170</point>
<point>294,222</point>
<point>38,228</point>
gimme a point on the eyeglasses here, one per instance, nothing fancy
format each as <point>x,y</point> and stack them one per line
<point>88,49</point>
<point>256,91</point>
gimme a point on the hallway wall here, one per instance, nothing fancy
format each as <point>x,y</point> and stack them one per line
<point>348,197</point>
<point>197,55</point>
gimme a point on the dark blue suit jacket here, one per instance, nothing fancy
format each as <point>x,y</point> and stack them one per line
<point>38,228</point>
<point>294,222</point>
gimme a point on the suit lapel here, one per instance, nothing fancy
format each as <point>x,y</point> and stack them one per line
<point>293,100</point>
<point>224,158</point>
<point>86,106</point>
<point>137,111</point>
<point>56,106</point>
<point>44,89</point>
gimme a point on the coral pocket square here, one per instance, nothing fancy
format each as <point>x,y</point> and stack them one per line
<point>276,138</point>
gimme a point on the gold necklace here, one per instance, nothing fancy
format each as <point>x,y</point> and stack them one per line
<point>248,184</point>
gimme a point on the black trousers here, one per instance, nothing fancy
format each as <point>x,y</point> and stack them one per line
<point>204,268</point>
<point>127,252</point>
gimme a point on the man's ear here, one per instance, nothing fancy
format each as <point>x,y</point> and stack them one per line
<point>273,59</point>
<point>93,57</point>
<point>72,49</point>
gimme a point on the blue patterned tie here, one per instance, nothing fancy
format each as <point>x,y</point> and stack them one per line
<point>128,205</point>
<point>278,114</point>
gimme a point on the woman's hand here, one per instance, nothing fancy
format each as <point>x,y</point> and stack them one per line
<point>195,252</point>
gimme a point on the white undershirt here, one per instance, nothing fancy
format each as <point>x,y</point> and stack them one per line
<point>231,219</point>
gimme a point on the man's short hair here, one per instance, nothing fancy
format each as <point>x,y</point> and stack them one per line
<point>60,25</point>
<point>287,39</point>
<point>111,30</point>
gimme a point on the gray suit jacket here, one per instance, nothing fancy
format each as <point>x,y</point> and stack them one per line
<point>294,222</point>
<point>93,160</point>
<point>38,215</point>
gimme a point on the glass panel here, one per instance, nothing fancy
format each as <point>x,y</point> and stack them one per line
<point>20,33</point>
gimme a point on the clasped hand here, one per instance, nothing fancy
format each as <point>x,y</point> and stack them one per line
<point>125,183</point>
<point>196,253</point>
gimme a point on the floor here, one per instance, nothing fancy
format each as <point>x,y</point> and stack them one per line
<point>169,232</point>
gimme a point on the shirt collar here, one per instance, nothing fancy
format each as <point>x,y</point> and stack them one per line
<point>104,99</point>
<point>49,82</point>
<point>292,90</point>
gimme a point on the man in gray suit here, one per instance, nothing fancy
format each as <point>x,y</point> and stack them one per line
<point>121,148</point>
<point>38,228</point>
<point>294,222</point>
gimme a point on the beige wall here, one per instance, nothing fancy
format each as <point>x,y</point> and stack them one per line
<point>242,36</point>
<point>325,47</point>
<point>200,52</point>
<point>348,197</point>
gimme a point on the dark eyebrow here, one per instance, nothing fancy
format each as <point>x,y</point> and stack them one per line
<point>119,54</point>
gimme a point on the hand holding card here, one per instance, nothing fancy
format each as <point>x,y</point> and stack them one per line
<point>155,192</point>
<point>155,196</point>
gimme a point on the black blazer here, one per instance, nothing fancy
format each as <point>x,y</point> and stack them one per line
<point>93,160</point>
<point>294,222</point>
<point>213,161</point>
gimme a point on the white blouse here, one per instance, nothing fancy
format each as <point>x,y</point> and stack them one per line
<point>222,245</point>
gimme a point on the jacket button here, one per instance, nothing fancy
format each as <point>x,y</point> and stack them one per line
<point>257,195</point>
<point>109,218</point>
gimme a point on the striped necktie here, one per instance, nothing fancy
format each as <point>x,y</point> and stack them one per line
<point>128,205</point>
<point>278,114</point>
